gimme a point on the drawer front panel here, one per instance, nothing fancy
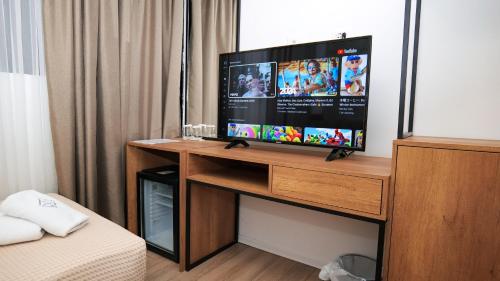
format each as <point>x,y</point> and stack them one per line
<point>349,192</point>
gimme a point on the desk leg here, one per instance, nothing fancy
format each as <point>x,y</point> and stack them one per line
<point>211,222</point>
<point>380,250</point>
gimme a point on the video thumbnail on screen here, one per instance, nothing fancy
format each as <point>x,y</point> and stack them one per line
<point>282,134</point>
<point>330,137</point>
<point>252,80</point>
<point>353,75</point>
<point>358,138</point>
<point>248,131</point>
<point>312,77</point>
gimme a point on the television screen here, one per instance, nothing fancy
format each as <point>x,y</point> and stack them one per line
<point>309,94</point>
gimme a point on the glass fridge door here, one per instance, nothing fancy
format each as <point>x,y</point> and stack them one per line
<point>158,214</point>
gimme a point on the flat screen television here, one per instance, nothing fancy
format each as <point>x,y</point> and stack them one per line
<point>312,94</point>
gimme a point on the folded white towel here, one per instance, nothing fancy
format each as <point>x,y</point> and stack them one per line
<point>52,215</point>
<point>14,230</point>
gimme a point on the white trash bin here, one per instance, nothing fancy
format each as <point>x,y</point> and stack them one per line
<point>350,267</point>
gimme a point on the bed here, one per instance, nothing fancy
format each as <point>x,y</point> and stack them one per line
<point>102,250</point>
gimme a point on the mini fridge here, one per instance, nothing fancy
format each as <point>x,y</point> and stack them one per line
<point>158,196</point>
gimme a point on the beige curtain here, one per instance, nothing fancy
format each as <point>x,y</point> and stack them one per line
<point>213,31</point>
<point>113,70</point>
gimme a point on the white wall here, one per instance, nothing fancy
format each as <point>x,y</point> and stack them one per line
<point>311,237</point>
<point>457,92</point>
<point>304,235</point>
<point>266,23</point>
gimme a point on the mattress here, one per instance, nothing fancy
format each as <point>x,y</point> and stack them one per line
<point>102,250</point>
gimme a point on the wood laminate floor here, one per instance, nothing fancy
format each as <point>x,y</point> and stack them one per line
<point>240,262</point>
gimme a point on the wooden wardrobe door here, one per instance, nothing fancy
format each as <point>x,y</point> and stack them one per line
<point>446,216</point>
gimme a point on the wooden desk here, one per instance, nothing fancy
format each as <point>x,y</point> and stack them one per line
<point>356,187</point>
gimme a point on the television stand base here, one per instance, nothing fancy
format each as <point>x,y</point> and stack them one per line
<point>235,143</point>
<point>338,153</point>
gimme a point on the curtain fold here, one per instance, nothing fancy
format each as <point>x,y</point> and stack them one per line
<point>109,82</point>
<point>213,31</point>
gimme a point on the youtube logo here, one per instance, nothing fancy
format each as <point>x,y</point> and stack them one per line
<point>346,51</point>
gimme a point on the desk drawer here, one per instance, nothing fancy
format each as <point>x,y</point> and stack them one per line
<point>349,192</point>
